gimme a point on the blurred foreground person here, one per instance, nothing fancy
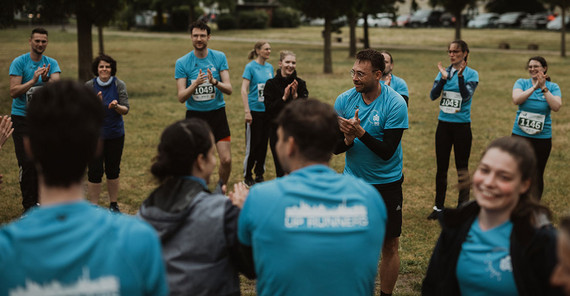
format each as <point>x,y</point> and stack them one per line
<point>314,231</point>
<point>561,275</point>
<point>67,246</point>
<point>502,243</point>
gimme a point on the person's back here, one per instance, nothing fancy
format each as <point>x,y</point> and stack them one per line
<point>314,231</point>
<point>79,248</point>
<point>67,246</point>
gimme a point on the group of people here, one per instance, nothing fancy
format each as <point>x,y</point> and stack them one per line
<point>284,232</point>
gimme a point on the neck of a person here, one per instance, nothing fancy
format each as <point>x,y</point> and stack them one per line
<point>371,95</point>
<point>457,66</point>
<point>201,53</point>
<point>35,56</point>
<point>51,195</point>
<point>490,219</point>
<point>260,60</point>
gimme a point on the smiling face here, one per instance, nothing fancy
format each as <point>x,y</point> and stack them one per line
<point>104,70</point>
<point>497,182</point>
<point>200,39</point>
<point>38,43</point>
<point>288,65</point>
<point>264,52</point>
<point>364,77</point>
<point>534,67</point>
<point>456,54</point>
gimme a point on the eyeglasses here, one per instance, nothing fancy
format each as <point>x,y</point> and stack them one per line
<point>453,51</point>
<point>359,75</point>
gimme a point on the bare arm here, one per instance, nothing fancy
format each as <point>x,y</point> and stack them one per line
<point>17,88</point>
<point>244,99</point>
<point>225,85</point>
<point>520,96</point>
<point>184,93</point>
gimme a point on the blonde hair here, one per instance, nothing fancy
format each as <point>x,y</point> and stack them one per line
<point>285,53</point>
<point>253,53</point>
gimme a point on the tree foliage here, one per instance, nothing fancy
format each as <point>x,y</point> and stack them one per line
<point>502,6</point>
<point>455,7</point>
<point>564,5</point>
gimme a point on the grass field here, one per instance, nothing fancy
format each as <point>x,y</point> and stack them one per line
<point>146,64</point>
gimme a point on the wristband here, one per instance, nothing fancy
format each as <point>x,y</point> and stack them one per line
<point>215,84</point>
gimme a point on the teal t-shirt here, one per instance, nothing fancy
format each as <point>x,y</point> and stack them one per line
<point>388,111</point>
<point>484,266</point>
<point>24,66</point>
<point>257,75</point>
<point>533,116</point>
<point>314,232</point>
<point>452,107</point>
<point>206,97</point>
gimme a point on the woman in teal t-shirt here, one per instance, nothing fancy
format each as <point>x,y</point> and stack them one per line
<point>535,97</point>
<point>503,242</point>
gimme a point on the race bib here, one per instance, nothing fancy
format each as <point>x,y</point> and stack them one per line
<point>450,102</point>
<point>204,92</point>
<point>531,123</point>
<point>30,93</point>
<point>260,87</point>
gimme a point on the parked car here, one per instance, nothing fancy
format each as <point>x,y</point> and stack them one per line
<point>511,19</point>
<point>403,20</point>
<point>425,18</point>
<point>485,20</point>
<point>556,24</point>
<point>447,19</point>
<point>381,20</point>
<point>535,21</point>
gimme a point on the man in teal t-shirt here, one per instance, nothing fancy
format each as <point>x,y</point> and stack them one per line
<point>28,73</point>
<point>202,78</point>
<point>372,118</point>
<point>314,231</point>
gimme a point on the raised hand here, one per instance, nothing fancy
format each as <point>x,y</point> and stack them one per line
<point>113,104</point>
<point>45,74</point>
<point>294,86</point>
<point>6,129</point>
<point>463,66</point>
<point>442,71</point>
<point>239,195</point>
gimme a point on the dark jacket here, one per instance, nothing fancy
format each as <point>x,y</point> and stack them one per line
<point>274,90</point>
<point>198,232</point>
<point>533,254</point>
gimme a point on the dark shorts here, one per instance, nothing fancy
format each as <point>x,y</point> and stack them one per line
<point>109,161</point>
<point>217,120</point>
<point>393,198</point>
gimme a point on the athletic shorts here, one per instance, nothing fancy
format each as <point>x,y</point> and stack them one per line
<point>393,198</point>
<point>217,120</point>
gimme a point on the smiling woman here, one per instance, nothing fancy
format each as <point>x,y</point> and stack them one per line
<point>501,243</point>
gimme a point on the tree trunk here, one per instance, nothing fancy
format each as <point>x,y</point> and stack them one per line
<point>84,44</point>
<point>159,19</point>
<point>365,27</point>
<point>563,33</point>
<point>458,23</point>
<point>328,54</point>
<point>191,14</point>
<point>352,24</point>
<point>100,35</point>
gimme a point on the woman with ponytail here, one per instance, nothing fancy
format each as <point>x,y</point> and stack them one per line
<point>198,229</point>
<point>256,73</point>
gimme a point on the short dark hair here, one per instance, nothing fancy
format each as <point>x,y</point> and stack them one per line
<point>200,25</point>
<point>375,57</point>
<point>106,58</point>
<point>313,125</point>
<point>180,145</point>
<point>65,120</point>
<point>462,44</point>
<point>39,30</point>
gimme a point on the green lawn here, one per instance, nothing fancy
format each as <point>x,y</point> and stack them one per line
<point>146,64</point>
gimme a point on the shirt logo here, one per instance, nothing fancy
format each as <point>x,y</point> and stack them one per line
<point>376,120</point>
<point>320,216</point>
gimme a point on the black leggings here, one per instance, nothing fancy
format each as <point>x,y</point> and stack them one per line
<point>459,136</point>
<point>542,149</point>
<point>256,137</point>
<point>28,173</point>
<point>272,144</point>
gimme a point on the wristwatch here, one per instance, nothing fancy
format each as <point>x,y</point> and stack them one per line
<point>545,90</point>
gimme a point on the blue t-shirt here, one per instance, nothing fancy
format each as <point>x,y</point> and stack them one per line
<point>207,97</point>
<point>314,232</point>
<point>533,116</point>
<point>24,66</point>
<point>452,107</point>
<point>257,75</point>
<point>399,85</point>
<point>80,249</point>
<point>388,111</point>
<point>484,266</point>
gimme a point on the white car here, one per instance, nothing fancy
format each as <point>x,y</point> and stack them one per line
<point>380,20</point>
<point>556,24</point>
<point>485,20</point>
